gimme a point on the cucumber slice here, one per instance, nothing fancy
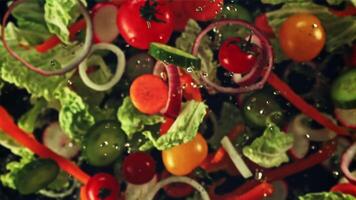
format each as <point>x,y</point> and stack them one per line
<point>36,175</point>
<point>343,90</point>
<point>171,55</point>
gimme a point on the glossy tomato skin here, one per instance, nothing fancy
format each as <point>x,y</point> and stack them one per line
<point>139,168</point>
<point>140,32</point>
<point>183,159</point>
<point>302,37</point>
<point>102,186</point>
<point>203,10</point>
<point>235,59</point>
<point>179,14</point>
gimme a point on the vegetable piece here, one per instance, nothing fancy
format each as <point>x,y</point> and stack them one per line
<point>55,139</point>
<point>166,125</point>
<point>280,190</point>
<point>104,22</point>
<point>302,37</point>
<point>68,66</point>
<point>149,94</point>
<point>9,127</point>
<point>346,188</point>
<point>29,120</point>
<point>342,90</point>
<point>180,17</point>
<point>346,160</point>
<point>350,10</point>
<point>184,158</point>
<point>346,117</point>
<point>300,143</point>
<point>270,149</point>
<point>120,68</point>
<point>176,190</point>
<point>139,64</point>
<point>171,55</point>
<point>190,89</point>
<point>258,193</point>
<point>236,158</point>
<point>144,21</point>
<point>102,186</point>
<point>137,192</point>
<point>104,143</point>
<point>303,106</point>
<point>203,10</point>
<point>261,22</point>
<point>326,196</point>
<point>139,168</point>
<point>36,175</point>
<point>183,179</point>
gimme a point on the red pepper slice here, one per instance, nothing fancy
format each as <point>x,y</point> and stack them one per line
<point>259,192</point>
<point>350,10</point>
<point>10,128</point>
<point>346,188</point>
<point>303,106</point>
<point>53,41</point>
<point>190,90</point>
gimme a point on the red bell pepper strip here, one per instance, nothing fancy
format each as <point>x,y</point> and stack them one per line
<point>259,192</point>
<point>8,126</point>
<point>350,10</point>
<point>346,188</point>
<point>53,41</point>
<point>303,106</point>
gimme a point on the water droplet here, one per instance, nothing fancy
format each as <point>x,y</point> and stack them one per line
<point>315,26</point>
<point>148,24</point>
<point>189,69</point>
<point>258,175</point>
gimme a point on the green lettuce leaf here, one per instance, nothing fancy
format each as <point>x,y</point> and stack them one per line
<point>274,2</point>
<point>183,130</point>
<point>327,196</point>
<point>270,149</point>
<point>29,120</point>
<point>132,120</point>
<point>340,30</point>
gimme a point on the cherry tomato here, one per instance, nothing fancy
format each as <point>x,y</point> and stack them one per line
<point>118,2</point>
<point>176,190</point>
<point>302,37</point>
<point>183,159</point>
<point>180,16</point>
<point>203,10</point>
<point>237,55</point>
<point>190,90</point>
<point>141,22</point>
<point>102,186</point>
<point>139,168</point>
<point>261,23</point>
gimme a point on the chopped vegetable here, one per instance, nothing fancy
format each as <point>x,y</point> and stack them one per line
<point>346,188</point>
<point>326,196</point>
<point>342,90</point>
<point>346,160</point>
<point>29,120</point>
<point>104,22</point>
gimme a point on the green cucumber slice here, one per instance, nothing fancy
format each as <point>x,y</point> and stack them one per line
<point>343,90</point>
<point>171,55</point>
<point>36,175</point>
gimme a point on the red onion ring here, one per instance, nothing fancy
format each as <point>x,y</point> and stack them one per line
<point>266,61</point>
<point>160,70</point>
<point>346,160</point>
<point>69,66</point>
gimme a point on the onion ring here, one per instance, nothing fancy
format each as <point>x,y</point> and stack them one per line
<point>346,160</point>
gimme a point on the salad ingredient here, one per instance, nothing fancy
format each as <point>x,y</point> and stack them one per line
<point>184,158</point>
<point>139,64</point>
<point>280,190</point>
<point>180,17</point>
<point>9,127</point>
<point>259,192</point>
<point>350,10</point>
<point>303,106</point>
<point>104,143</point>
<point>141,22</point>
<point>236,158</point>
<point>266,56</point>
<point>237,55</point>
<point>203,10</point>
<point>29,120</point>
<point>346,117</point>
<point>346,188</point>
<point>133,121</point>
<point>120,68</point>
<point>342,90</point>
<point>234,11</point>
<point>104,22</point>
<point>137,192</point>
<point>55,139</point>
<point>190,89</point>
<point>270,149</point>
<point>171,55</point>
<point>68,66</point>
<point>102,186</point>
<point>301,143</point>
<point>36,175</point>
<point>184,128</point>
<point>166,125</point>
<point>176,190</point>
<point>302,37</point>
<point>149,94</point>
<point>139,168</point>
<point>326,196</point>
<point>182,179</point>
<point>261,22</point>
<point>346,160</point>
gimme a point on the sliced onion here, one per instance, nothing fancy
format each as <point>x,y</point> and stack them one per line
<point>280,190</point>
<point>346,160</point>
<point>178,179</point>
<point>264,63</point>
<point>236,158</point>
<point>68,66</point>
<point>160,70</point>
<point>341,145</point>
<point>301,143</point>
<point>138,192</point>
<point>344,179</point>
<point>120,67</point>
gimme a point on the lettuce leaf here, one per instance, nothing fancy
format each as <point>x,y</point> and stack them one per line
<point>29,120</point>
<point>133,121</point>
<point>327,196</point>
<point>274,2</point>
<point>270,149</point>
<point>184,128</point>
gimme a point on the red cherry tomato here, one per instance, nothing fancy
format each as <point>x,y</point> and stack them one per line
<point>237,55</point>
<point>102,186</point>
<point>190,89</point>
<point>139,168</point>
<point>141,22</point>
<point>180,17</point>
<point>203,10</point>
<point>118,2</point>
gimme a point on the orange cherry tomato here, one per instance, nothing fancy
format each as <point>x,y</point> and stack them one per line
<point>302,37</point>
<point>183,159</point>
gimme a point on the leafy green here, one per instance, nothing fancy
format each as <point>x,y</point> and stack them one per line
<point>184,128</point>
<point>327,196</point>
<point>205,53</point>
<point>270,149</point>
<point>274,2</point>
<point>29,120</point>
<point>133,121</point>
<point>338,2</point>
<point>340,30</point>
